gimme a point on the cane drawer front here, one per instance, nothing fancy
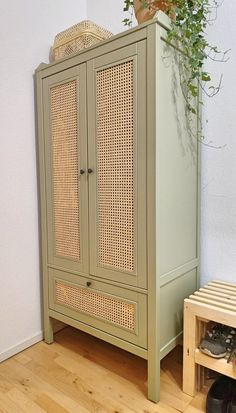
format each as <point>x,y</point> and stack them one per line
<point>115,310</point>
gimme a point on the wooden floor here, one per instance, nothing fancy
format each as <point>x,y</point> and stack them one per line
<point>80,374</point>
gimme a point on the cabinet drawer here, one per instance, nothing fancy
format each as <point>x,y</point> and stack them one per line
<point>115,310</point>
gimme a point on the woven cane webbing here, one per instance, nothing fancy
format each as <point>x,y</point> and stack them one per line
<point>95,304</point>
<point>115,166</point>
<point>65,170</point>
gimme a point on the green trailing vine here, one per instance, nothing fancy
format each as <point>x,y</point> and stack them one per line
<point>188,31</point>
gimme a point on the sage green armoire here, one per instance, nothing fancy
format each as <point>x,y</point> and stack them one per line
<point>118,166</point>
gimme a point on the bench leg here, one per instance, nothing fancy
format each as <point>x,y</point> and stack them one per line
<point>190,344</point>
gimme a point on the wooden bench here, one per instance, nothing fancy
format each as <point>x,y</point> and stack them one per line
<point>215,302</point>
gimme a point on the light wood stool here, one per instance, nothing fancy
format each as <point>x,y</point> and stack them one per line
<point>215,302</point>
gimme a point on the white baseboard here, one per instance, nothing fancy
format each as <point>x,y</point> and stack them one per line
<point>6,354</point>
<point>21,346</point>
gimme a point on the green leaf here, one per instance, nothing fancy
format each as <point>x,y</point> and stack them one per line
<point>127,22</point>
<point>193,90</point>
<point>205,77</point>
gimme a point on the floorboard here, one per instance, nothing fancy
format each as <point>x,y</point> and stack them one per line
<point>79,373</point>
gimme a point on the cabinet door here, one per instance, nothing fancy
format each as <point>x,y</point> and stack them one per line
<point>117,162</point>
<point>66,157</point>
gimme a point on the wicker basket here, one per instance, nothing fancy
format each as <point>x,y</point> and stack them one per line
<point>78,37</point>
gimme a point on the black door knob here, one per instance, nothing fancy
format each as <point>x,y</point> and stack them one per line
<point>88,283</point>
<point>82,171</point>
<point>90,170</point>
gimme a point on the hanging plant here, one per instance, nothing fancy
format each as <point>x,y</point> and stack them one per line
<point>189,20</point>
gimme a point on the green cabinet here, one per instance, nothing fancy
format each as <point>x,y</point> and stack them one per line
<point>118,171</point>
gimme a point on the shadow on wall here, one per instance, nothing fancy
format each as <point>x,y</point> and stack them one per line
<point>186,122</point>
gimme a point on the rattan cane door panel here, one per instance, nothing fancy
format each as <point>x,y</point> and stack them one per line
<point>117,157</point>
<point>66,147</point>
<point>109,308</point>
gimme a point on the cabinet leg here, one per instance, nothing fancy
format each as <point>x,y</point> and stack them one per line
<point>48,330</point>
<point>154,380</point>
<point>190,344</point>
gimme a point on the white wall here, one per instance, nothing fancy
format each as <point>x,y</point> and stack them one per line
<point>108,14</point>
<point>218,213</point>
<point>27,30</point>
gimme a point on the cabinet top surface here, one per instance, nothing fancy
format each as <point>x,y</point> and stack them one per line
<point>161,19</point>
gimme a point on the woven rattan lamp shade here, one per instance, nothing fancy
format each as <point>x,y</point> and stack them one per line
<point>78,37</point>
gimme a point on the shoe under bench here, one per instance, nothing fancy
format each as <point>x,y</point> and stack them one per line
<point>215,302</point>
